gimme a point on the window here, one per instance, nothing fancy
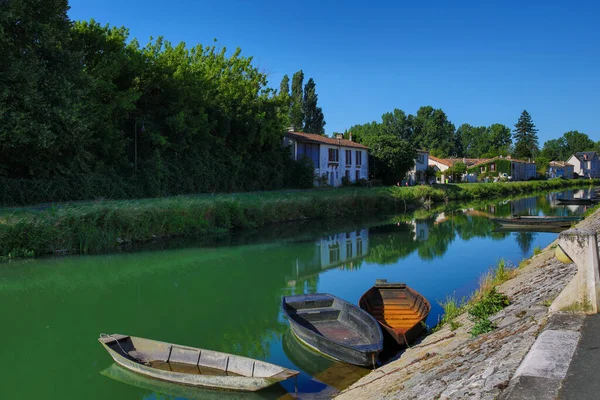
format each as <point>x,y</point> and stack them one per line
<point>492,167</point>
<point>348,157</point>
<point>358,158</point>
<point>348,174</point>
<point>482,169</point>
<point>420,158</point>
<point>334,253</point>
<point>359,247</point>
<point>349,249</point>
<point>334,155</point>
<point>357,176</point>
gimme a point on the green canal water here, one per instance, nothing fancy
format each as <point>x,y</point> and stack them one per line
<point>225,293</point>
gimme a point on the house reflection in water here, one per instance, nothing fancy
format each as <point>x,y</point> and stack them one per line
<point>421,229</point>
<point>344,250</point>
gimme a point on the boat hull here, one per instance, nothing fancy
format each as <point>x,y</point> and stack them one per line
<point>518,222</point>
<point>233,381</point>
<point>351,336</point>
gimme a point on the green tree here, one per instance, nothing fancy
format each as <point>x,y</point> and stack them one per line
<point>541,165</point>
<point>314,120</point>
<point>285,99</point>
<point>525,136</point>
<point>392,157</point>
<point>433,131</point>
<point>553,150</point>
<point>396,123</point>
<point>575,141</point>
<point>500,137</point>
<point>296,109</point>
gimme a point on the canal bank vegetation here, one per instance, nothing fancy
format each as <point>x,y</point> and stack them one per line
<point>485,302</point>
<point>107,225</point>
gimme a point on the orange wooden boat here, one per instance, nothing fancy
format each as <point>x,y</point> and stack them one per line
<point>400,310</point>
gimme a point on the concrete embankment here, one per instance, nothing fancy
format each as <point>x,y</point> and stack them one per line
<point>526,356</point>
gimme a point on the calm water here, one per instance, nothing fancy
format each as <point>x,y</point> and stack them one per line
<point>225,294</point>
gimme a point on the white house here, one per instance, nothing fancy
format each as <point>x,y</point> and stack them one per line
<point>333,157</point>
<point>585,164</point>
<point>417,173</point>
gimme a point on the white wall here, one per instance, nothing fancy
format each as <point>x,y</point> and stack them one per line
<point>339,169</point>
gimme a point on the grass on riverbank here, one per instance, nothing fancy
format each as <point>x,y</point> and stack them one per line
<point>106,225</point>
<point>485,302</point>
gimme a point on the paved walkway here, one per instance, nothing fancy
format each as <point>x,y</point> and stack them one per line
<point>583,376</point>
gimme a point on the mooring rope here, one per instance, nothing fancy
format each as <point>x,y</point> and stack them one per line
<point>103,335</point>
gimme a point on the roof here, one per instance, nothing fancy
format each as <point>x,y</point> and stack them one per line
<point>585,155</point>
<point>559,164</point>
<point>314,138</point>
<point>485,161</point>
<point>451,161</point>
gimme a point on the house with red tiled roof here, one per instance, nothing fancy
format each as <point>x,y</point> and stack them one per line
<point>442,164</point>
<point>332,157</point>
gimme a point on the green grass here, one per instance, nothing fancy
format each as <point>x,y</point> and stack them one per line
<point>537,250</point>
<point>92,227</point>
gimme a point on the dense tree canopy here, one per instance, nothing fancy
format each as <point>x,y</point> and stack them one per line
<point>74,97</point>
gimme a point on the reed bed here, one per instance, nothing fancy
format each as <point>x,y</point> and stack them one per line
<point>92,227</point>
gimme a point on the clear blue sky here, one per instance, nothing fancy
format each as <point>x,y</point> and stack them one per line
<point>481,61</point>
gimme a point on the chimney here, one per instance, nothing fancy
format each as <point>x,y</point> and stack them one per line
<point>350,136</point>
<point>464,160</point>
<point>339,136</point>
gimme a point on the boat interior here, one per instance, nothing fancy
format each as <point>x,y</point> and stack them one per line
<point>324,317</point>
<point>399,308</point>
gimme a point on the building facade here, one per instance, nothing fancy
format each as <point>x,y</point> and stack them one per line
<point>560,169</point>
<point>333,158</point>
<point>417,173</point>
<point>586,164</point>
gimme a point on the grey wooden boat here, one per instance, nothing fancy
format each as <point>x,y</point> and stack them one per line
<point>192,366</point>
<point>541,221</point>
<point>334,327</point>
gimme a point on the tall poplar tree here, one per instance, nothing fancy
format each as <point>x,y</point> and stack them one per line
<point>296,109</point>
<point>284,99</point>
<point>314,121</point>
<point>525,136</point>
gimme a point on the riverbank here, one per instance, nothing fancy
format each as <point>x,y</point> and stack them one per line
<point>451,364</point>
<point>107,225</point>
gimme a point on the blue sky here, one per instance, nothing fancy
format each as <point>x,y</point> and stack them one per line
<point>482,61</point>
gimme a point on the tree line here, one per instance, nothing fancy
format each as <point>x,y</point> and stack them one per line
<point>87,112</point>
<point>393,141</point>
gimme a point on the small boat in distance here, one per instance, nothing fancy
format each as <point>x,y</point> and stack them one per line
<point>192,366</point>
<point>539,221</point>
<point>334,327</point>
<point>577,201</point>
<point>400,310</point>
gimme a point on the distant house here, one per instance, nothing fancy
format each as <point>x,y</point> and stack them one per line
<point>417,172</point>
<point>517,170</point>
<point>585,164</point>
<point>332,157</point>
<point>560,169</point>
<point>442,164</point>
